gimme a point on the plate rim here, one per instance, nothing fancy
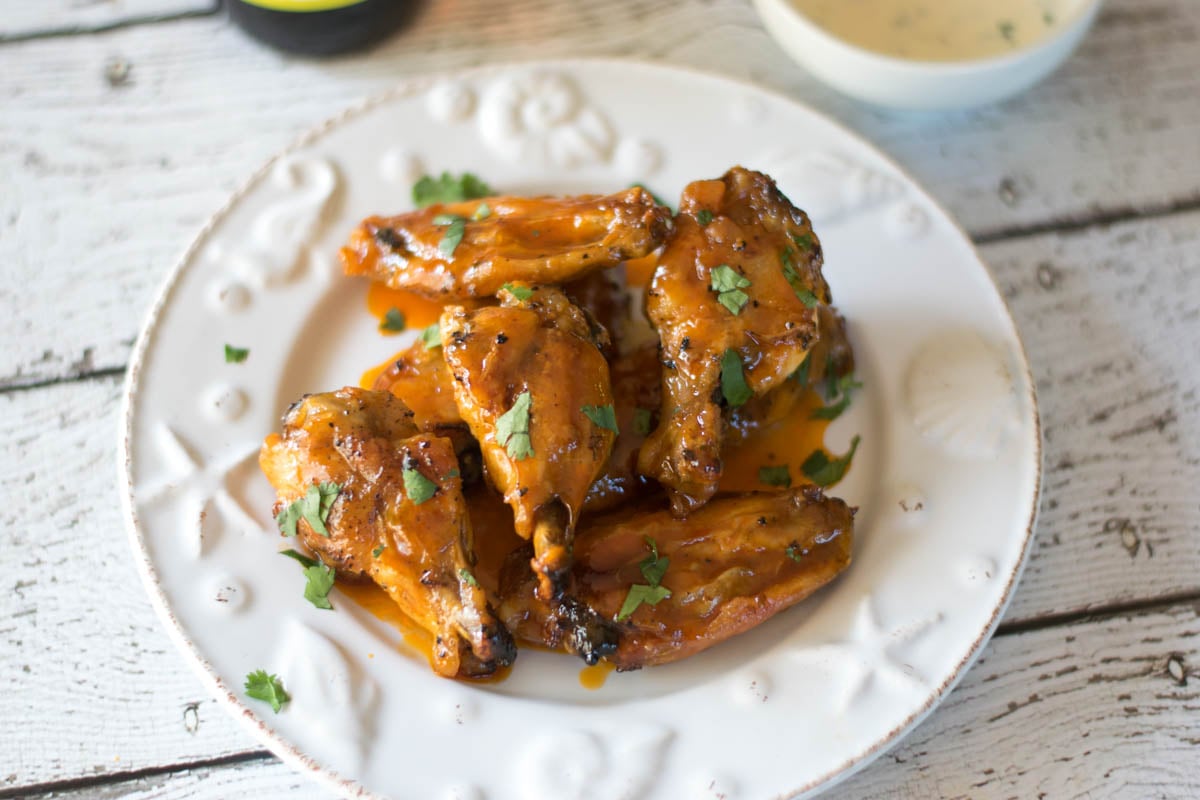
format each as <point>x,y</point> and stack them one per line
<point>330,777</point>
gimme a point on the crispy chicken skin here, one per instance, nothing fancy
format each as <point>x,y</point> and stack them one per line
<point>756,232</point>
<point>420,553</point>
<point>534,240</point>
<point>733,564</point>
<point>420,378</point>
<point>543,350</point>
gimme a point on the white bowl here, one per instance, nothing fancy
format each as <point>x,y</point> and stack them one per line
<point>911,84</point>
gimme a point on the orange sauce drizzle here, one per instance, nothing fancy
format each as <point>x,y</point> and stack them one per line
<point>787,440</point>
<point>418,311</point>
<point>639,270</point>
<point>593,677</point>
<point>367,381</point>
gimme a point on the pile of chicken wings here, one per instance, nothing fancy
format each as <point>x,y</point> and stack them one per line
<point>532,391</point>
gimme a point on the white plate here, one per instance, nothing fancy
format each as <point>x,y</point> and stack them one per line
<point>947,475</point>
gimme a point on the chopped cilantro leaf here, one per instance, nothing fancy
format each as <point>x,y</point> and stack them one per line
<point>655,197</point>
<point>794,552</point>
<point>512,428</point>
<point>704,216</point>
<point>808,298</point>
<point>638,594</point>
<point>733,380</point>
<point>800,376</point>
<point>483,212</point>
<point>313,508</point>
<point>653,566</point>
<point>775,476</point>
<point>261,686</point>
<point>845,385</point>
<point>448,189</point>
<point>418,487</point>
<point>641,421</point>
<point>393,321</point>
<point>824,471</point>
<point>432,336</point>
<point>378,551</point>
<point>728,285</point>
<point>804,241</point>
<point>455,227</point>
<point>1007,29</point>
<point>602,416</point>
<point>304,560</point>
<point>805,294</point>
<point>235,355</point>
<point>466,575</point>
<point>319,577</point>
<point>518,290</point>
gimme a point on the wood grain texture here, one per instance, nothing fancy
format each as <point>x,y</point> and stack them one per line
<point>1099,709</point>
<point>62,17</point>
<point>201,107</point>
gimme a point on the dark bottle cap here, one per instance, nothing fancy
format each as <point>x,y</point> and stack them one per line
<point>321,27</point>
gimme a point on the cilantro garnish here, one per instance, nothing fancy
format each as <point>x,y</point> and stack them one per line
<point>455,227</point>
<point>512,428</point>
<point>320,578</point>
<point>805,294</point>
<point>824,471</point>
<point>448,189</point>
<point>653,568</point>
<point>641,421</point>
<point>845,385</point>
<point>704,216</point>
<point>800,376</point>
<point>378,551</point>
<point>794,552</point>
<point>418,487</point>
<point>483,212</point>
<point>519,291</point>
<point>775,476</point>
<point>733,380</point>
<point>235,355</point>
<point>1007,30</point>
<point>728,284</point>
<point>261,686</point>
<point>313,508</point>
<point>393,320</point>
<point>602,416</point>
<point>653,196</point>
<point>466,575</point>
<point>432,336</point>
<point>804,241</point>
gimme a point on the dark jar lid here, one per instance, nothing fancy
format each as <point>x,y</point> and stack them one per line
<point>312,27</point>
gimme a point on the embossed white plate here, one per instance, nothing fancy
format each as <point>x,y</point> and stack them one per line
<point>946,478</point>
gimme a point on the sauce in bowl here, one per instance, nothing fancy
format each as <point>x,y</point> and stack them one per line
<point>940,30</point>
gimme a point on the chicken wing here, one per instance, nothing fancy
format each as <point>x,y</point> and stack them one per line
<point>726,568</point>
<point>420,378</point>
<point>471,249</point>
<point>531,382</point>
<point>734,300</point>
<point>398,517</point>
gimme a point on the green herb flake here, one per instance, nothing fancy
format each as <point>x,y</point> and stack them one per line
<point>448,189</point>
<point>642,421</point>
<point>431,337</point>
<point>378,551</point>
<point>733,380</point>
<point>418,487</point>
<point>512,428</point>
<point>455,227</point>
<point>602,416</point>
<point>1007,29</point>
<point>320,579</point>
<point>639,594</point>
<point>800,376</point>
<point>653,196</point>
<point>304,560</point>
<point>261,686</point>
<point>313,508</point>
<point>824,471</point>
<point>653,567</point>
<point>393,321</point>
<point>845,385</point>
<point>704,216</point>
<point>483,212</point>
<point>518,290</point>
<point>235,355</point>
<point>466,575</point>
<point>794,552</point>
<point>775,476</point>
<point>804,241</point>
<point>728,284</point>
<point>806,296</point>
<point>1048,18</point>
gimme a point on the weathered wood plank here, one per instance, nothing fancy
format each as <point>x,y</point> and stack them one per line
<point>56,17</point>
<point>202,106</point>
<point>1114,704</point>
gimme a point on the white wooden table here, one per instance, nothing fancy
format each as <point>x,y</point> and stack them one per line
<point>125,123</point>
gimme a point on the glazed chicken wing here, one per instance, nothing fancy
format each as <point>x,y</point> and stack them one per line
<point>420,378</point>
<point>532,384</point>
<point>734,300</point>
<point>729,566</point>
<point>398,517</point>
<point>535,240</point>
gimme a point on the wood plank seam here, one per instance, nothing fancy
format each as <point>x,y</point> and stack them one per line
<point>130,22</point>
<point>103,373</point>
<point>1103,217</point>
<point>1097,613</point>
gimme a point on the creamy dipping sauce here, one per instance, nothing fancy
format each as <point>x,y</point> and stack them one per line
<point>939,30</point>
